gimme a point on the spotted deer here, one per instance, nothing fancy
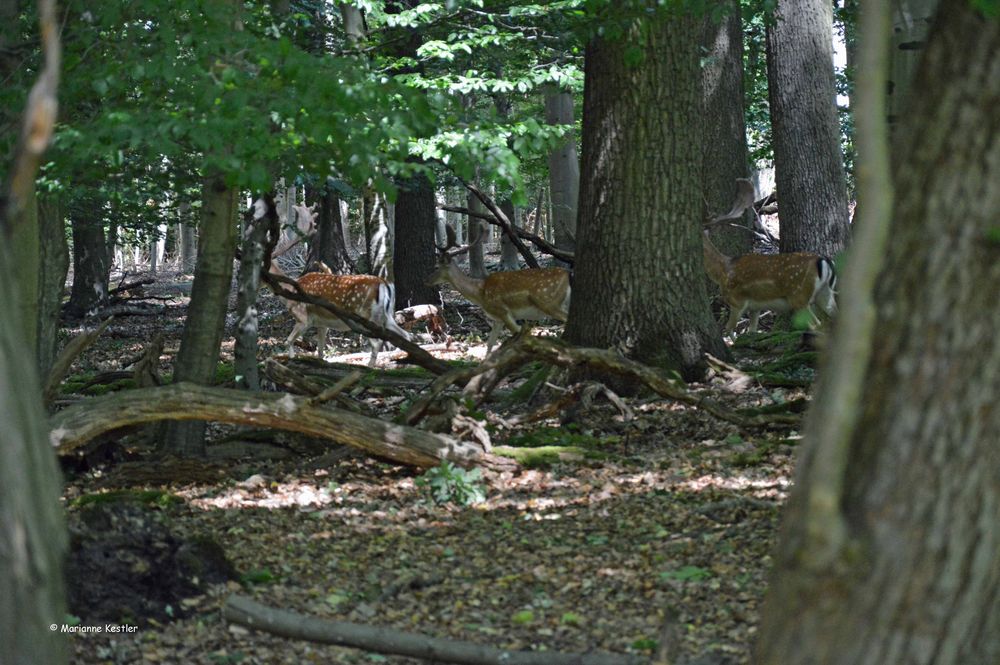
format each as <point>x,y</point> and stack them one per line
<point>508,296</point>
<point>757,282</point>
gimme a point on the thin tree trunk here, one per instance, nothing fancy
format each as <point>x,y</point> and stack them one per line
<point>329,244</point>
<point>477,238</point>
<point>564,170</point>
<point>206,317</point>
<point>809,166</point>
<point>255,235</point>
<point>186,240</point>
<point>90,266</point>
<point>52,282</point>
<point>890,549</point>
<point>509,256</point>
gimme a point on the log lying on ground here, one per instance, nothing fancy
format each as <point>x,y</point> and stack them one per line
<point>244,611</point>
<point>74,426</point>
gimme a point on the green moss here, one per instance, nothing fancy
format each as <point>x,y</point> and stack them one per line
<point>151,497</point>
<point>545,456</point>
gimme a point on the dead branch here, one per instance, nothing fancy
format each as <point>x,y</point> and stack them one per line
<point>78,424</point>
<point>542,244</point>
<point>131,285</point>
<point>69,353</point>
<point>284,376</point>
<point>247,612</point>
<point>504,223</point>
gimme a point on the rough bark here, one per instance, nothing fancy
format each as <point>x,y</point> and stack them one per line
<point>809,166</point>
<point>32,529</point>
<point>54,266</point>
<point>725,156</point>
<point>76,425</point>
<point>477,238</point>
<point>890,550</point>
<point>639,285</point>
<point>415,258</point>
<point>911,20</point>
<point>245,366</point>
<point>91,265</point>
<point>564,170</point>
<point>206,316</point>
<point>509,256</point>
<point>186,240</point>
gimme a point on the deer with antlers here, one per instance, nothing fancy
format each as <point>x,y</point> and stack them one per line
<point>509,296</point>
<point>367,296</point>
<point>782,282</point>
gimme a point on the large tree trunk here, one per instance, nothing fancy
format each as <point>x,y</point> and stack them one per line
<point>564,170</point>
<point>52,280</point>
<point>206,316</point>
<point>910,22</point>
<point>890,551</point>
<point>809,167</point>
<point>724,156</point>
<point>415,259</point>
<point>32,529</point>
<point>91,264</point>
<point>639,285</point>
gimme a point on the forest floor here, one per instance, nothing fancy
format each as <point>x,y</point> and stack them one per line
<point>623,532</point>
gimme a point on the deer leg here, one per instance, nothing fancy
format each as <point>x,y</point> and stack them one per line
<point>735,312</point>
<point>376,345</point>
<point>754,317</point>
<point>321,341</point>
<point>300,327</point>
<point>495,334</point>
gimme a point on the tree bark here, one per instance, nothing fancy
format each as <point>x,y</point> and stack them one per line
<point>33,539</point>
<point>91,264</point>
<point>509,256</point>
<point>255,235</point>
<point>725,156</point>
<point>206,316</point>
<point>477,238</point>
<point>76,425</point>
<point>187,240</point>
<point>54,266</point>
<point>415,259</point>
<point>329,244</point>
<point>890,549</point>
<point>639,285</point>
<point>911,20</point>
<point>809,166</point>
<point>564,170</point>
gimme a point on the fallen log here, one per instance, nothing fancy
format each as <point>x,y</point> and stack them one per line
<point>74,426</point>
<point>247,612</point>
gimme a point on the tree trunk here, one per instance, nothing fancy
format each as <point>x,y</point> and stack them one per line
<point>890,550</point>
<point>639,285</point>
<point>564,170</point>
<point>206,317</point>
<point>26,252</point>
<point>477,238</point>
<point>415,259</point>
<point>248,285</point>
<point>809,166</point>
<point>54,265</point>
<point>910,22</point>
<point>378,235</point>
<point>509,256</point>
<point>329,244</point>
<point>90,265</point>
<point>725,156</point>
<point>187,241</point>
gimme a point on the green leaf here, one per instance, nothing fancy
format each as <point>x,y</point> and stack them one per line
<point>523,617</point>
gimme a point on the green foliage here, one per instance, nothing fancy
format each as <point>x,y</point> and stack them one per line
<point>258,576</point>
<point>990,8</point>
<point>448,483</point>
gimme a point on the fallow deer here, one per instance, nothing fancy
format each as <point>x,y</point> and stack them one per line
<point>782,282</point>
<point>508,296</point>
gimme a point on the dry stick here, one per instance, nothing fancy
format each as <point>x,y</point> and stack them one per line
<point>505,224</point>
<point>358,324</point>
<point>76,425</point>
<point>561,354</point>
<point>542,244</point>
<point>334,391</point>
<point>284,376</point>
<point>247,612</point>
<point>69,353</point>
